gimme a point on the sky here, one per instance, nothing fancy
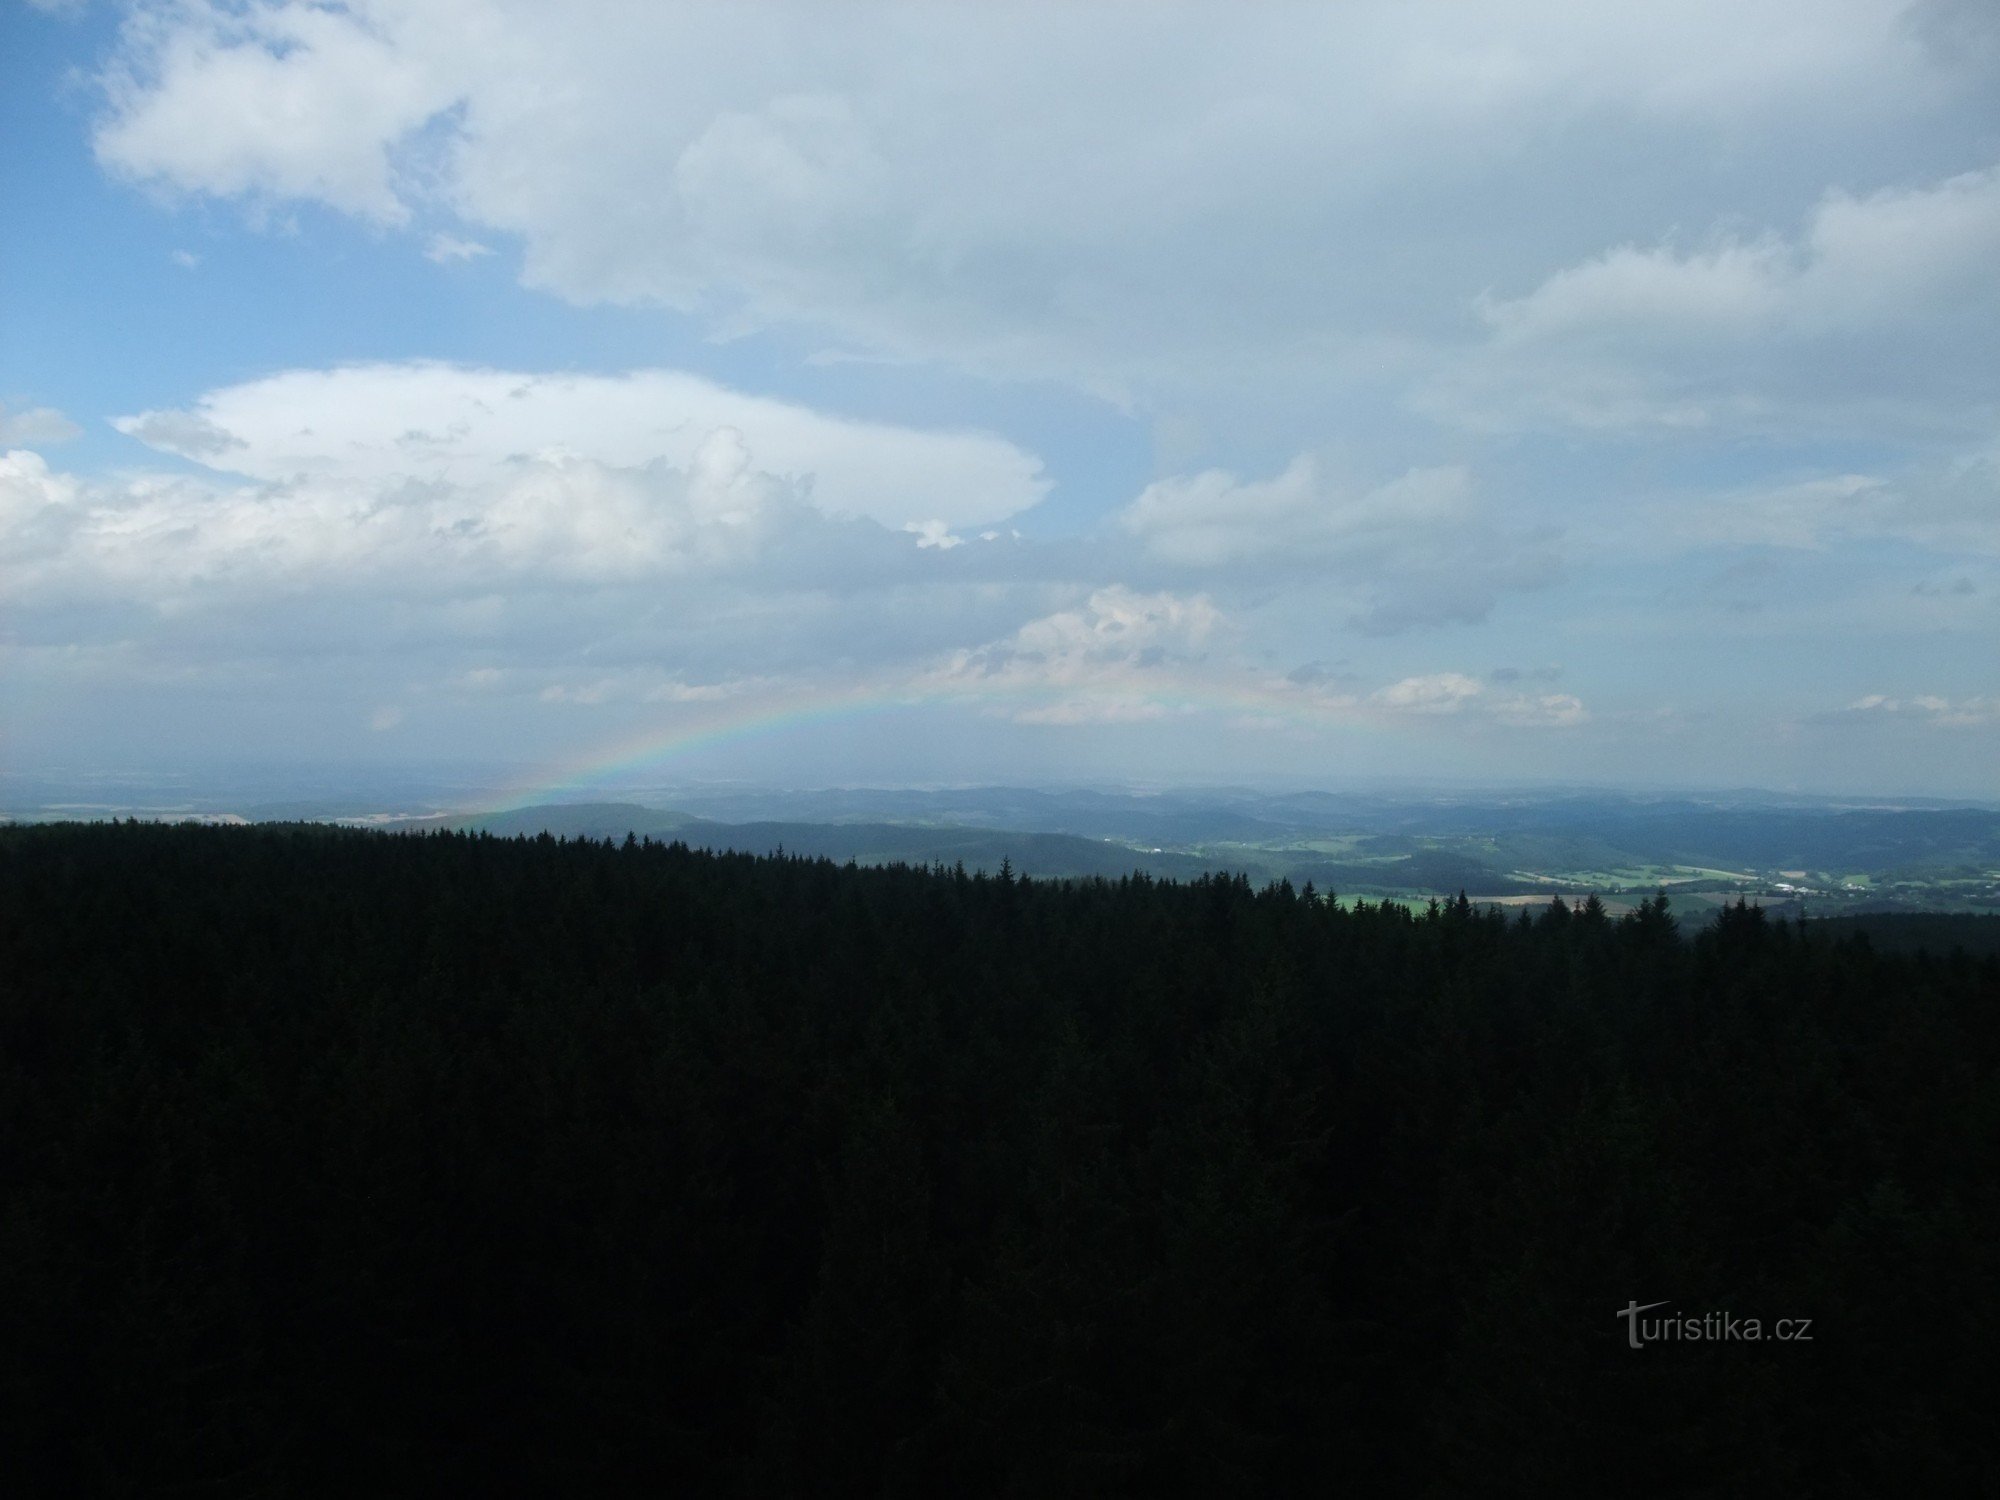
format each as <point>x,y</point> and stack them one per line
<point>1523,393</point>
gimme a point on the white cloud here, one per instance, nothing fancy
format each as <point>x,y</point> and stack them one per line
<point>1455,693</point>
<point>183,433</point>
<point>1126,658</point>
<point>1884,257</point>
<point>1267,233</point>
<point>612,591</point>
<point>434,422</point>
<point>1100,662</point>
<point>1930,708</point>
<point>1417,551</point>
<point>551,519</point>
<point>1732,291</point>
<point>267,101</point>
<point>1437,693</point>
<point>30,494</point>
<point>187,260</point>
<point>1553,710</point>
<point>1213,517</point>
<point>39,425</point>
<point>1951,508</point>
<point>934,534</point>
<point>1231,193</point>
<point>656,586</point>
<point>1884,304</point>
<point>446,249</point>
<point>1116,621</point>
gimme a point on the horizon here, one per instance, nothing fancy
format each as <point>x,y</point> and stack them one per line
<point>491,790</point>
<point>1496,402</point>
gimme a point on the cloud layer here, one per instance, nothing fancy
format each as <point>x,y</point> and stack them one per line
<point>1881,309</point>
<point>1275,193</point>
<point>1226,379</point>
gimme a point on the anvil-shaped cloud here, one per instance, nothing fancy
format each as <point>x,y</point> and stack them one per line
<point>430,421</point>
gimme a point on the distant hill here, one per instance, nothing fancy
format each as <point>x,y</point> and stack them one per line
<point>1786,857</point>
<point>1394,864</point>
<point>1040,855</point>
<point>578,820</point>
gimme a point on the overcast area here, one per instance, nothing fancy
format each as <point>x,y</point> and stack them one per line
<point>922,393</point>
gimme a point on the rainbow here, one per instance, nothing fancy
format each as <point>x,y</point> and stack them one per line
<point>727,721</point>
<point>720,723</point>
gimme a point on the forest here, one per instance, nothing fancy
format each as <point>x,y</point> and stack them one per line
<point>347,1162</point>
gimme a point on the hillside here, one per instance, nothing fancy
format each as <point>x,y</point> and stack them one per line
<point>1822,859</point>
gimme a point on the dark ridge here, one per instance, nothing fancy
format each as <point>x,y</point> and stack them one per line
<point>1939,933</point>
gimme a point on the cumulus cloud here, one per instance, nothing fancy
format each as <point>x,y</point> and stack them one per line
<point>1099,662</point>
<point>1126,657</point>
<point>1438,693</point>
<point>1419,550</point>
<point>186,434</point>
<point>1929,708</point>
<point>1114,625</point>
<point>446,249</point>
<point>435,422</point>
<point>1339,260</point>
<point>934,533</point>
<point>1879,292</point>
<point>1119,622</point>
<point>34,500</point>
<point>1951,507</point>
<point>1881,258</point>
<point>1117,206</point>
<point>270,101</point>
<point>551,518</point>
<point>38,426</point>
<point>552,578</point>
<point>1553,710</point>
<point>1213,517</point>
<point>1456,693</point>
<point>570,586</point>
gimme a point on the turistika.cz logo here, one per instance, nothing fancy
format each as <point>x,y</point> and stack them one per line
<point>1714,1328</point>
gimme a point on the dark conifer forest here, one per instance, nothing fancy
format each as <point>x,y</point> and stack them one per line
<point>335,1162</point>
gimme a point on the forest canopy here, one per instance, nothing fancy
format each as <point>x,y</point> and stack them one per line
<point>345,1160</point>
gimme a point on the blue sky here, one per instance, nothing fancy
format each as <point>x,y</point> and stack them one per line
<point>880,394</point>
